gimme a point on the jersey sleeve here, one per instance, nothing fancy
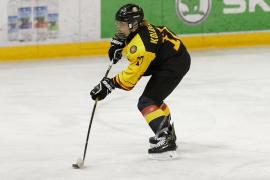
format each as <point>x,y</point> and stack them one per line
<point>139,59</point>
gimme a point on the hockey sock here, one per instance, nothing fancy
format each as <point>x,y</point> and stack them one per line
<point>166,110</point>
<point>154,116</point>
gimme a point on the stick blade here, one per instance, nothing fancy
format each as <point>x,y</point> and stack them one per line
<point>79,164</point>
<point>76,166</point>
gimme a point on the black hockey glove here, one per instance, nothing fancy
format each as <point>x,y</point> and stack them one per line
<point>101,90</point>
<point>115,51</point>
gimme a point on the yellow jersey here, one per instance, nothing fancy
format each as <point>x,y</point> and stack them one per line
<point>148,50</point>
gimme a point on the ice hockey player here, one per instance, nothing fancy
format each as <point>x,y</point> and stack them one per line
<point>152,51</point>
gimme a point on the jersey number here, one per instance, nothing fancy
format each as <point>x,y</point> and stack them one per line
<point>169,36</point>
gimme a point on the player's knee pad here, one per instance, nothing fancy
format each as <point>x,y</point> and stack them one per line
<point>144,102</point>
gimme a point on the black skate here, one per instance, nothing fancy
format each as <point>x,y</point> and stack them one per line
<point>154,139</point>
<point>165,148</point>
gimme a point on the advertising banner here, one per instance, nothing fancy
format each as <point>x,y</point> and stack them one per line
<point>195,16</point>
<point>29,20</point>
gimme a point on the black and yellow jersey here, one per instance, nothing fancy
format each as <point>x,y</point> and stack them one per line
<point>149,50</point>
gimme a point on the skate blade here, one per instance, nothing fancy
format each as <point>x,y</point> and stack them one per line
<point>164,156</point>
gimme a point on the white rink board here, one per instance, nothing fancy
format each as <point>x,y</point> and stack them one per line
<point>79,21</point>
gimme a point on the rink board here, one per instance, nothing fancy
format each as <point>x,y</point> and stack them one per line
<point>100,48</point>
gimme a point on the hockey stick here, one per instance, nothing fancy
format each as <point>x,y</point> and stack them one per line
<point>80,162</point>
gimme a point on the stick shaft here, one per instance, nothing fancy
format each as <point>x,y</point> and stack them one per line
<point>92,116</point>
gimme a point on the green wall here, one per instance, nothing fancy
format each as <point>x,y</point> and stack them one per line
<point>163,12</point>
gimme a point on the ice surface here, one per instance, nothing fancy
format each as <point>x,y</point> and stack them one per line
<point>221,112</point>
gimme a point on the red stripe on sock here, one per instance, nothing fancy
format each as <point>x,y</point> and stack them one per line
<point>149,109</point>
<point>163,106</point>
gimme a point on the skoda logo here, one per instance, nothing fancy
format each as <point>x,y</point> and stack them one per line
<point>193,12</point>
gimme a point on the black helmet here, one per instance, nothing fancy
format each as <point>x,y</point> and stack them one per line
<point>130,13</point>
